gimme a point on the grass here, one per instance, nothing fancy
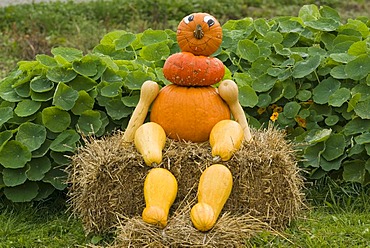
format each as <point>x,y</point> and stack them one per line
<point>339,214</point>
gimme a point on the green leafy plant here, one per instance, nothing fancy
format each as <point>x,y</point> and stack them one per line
<point>309,74</point>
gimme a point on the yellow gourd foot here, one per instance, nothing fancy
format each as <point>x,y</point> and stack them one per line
<point>155,215</point>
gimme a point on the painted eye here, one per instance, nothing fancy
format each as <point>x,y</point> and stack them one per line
<point>209,20</point>
<point>188,18</point>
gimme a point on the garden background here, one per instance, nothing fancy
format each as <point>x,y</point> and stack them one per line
<point>317,64</point>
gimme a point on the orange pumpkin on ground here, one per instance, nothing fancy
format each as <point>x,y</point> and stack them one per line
<point>200,34</point>
<point>190,70</point>
<point>188,113</point>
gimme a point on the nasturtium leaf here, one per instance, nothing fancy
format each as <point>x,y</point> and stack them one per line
<point>248,50</point>
<point>304,113</point>
<point>334,164</point>
<point>111,37</point>
<point>356,149</point>
<point>60,158</point>
<point>55,119</point>
<point>46,60</point>
<point>312,155</point>
<point>87,66</point>
<point>14,155</point>
<point>105,121</point>
<point>354,171</point>
<point>41,84</point>
<point>131,101</point>
<point>291,109</point>
<point>44,148</point>
<point>5,136</point>
<point>305,67</point>
<point>124,40</point>
<point>242,79</point>
<point>83,102</point>
<point>25,192</point>
<point>65,141</point>
<point>117,110</point>
<point>277,92</point>
<point>353,101</point>
<point>363,90</point>
<point>7,91</point>
<point>362,109</point>
<point>14,177</point>
<point>331,120</point>
<point>261,26</point>
<point>358,48</point>
<point>45,190</point>
<point>31,135</point>
<point>335,146</point>
<point>309,12</point>
<point>150,36</point>
<point>112,89</point>
<point>57,177</point>
<point>274,37</point>
<point>339,97</point>
<point>111,76</point>
<point>23,90</point>
<point>259,67</point>
<point>89,122</point>
<point>61,74</point>
<point>42,97</point>
<point>339,72</point>
<point>68,53</point>
<point>363,138</point>
<point>65,97</point>
<point>323,24</point>
<point>356,126</point>
<point>156,51</point>
<point>342,57</point>
<point>135,80</point>
<point>264,100</point>
<point>82,83</point>
<point>324,90</point>
<point>6,113</point>
<point>247,96</point>
<point>26,107</point>
<point>263,83</point>
<point>290,89</point>
<point>62,61</point>
<point>358,68</point>
<point>304,95</point>
<point>319,136</point>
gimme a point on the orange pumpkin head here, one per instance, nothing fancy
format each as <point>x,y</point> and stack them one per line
<point>200,34</point>
<point>189,70</point>
<point>188,113</point>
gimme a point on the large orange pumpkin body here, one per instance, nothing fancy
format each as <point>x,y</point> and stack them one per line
<point>188,113</point>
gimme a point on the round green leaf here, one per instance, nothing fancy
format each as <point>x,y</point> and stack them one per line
<point>41,84</point>
<point>363,138</point>
<point>263,83</point>
<point>23,90</point>
<point>339,97</point>
<point>84,102</point>
<point>124,40</point>
<point>354,171</point>
<point>342,57</point>
<point>66,141</point>
<point>356,125</point>
<point>14,177</point>
<point>22,193</point>
<point>290,89</point>
<point>89,122</point>
<point>291,109</point>
<point>68,53</point>
<point>338,72</point>
<point>44,148</point>
<point>82,83</point>
<point>60,158</point>
<point>274,37</point>
<point>61,74</point>
<point>111,90</point>
<point>324,90</point>
<point>65,97</point>
<point>42,97</point>
<point>7,91</point>
<point>319,136</point>
<point>46,60</point>
<point>55,119</point>
<point>57,178</point>
<point>264,100</point>
<point>362,109</point>
<point>31,135</point>
<point>305,67</point>
<point>154,52</point>
<point>87,66</point>
<point>358,68</point>
<point>312,155</point>
<point>45,190</point>
<point>131,101</point>
<point>5,136</point>
<point>333,164</point>
<point>335,146</point>
<point>331,120</point>
<point>135,80</point>
<point>6,113</point>
<point>247,96</point>
<point>248,50</point>
<point>37,168</point>
<point>14,155</point>
<point>117,110</point>
<point>27,107</point>
<point>153,36</point>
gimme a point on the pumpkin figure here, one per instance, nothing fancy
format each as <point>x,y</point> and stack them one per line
<point>189,109</point>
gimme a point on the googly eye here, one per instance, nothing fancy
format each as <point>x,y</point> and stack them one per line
<point>188,18</point>
<point>209,20</point>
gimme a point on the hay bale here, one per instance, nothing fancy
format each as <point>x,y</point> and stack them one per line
<point>106,181</point>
